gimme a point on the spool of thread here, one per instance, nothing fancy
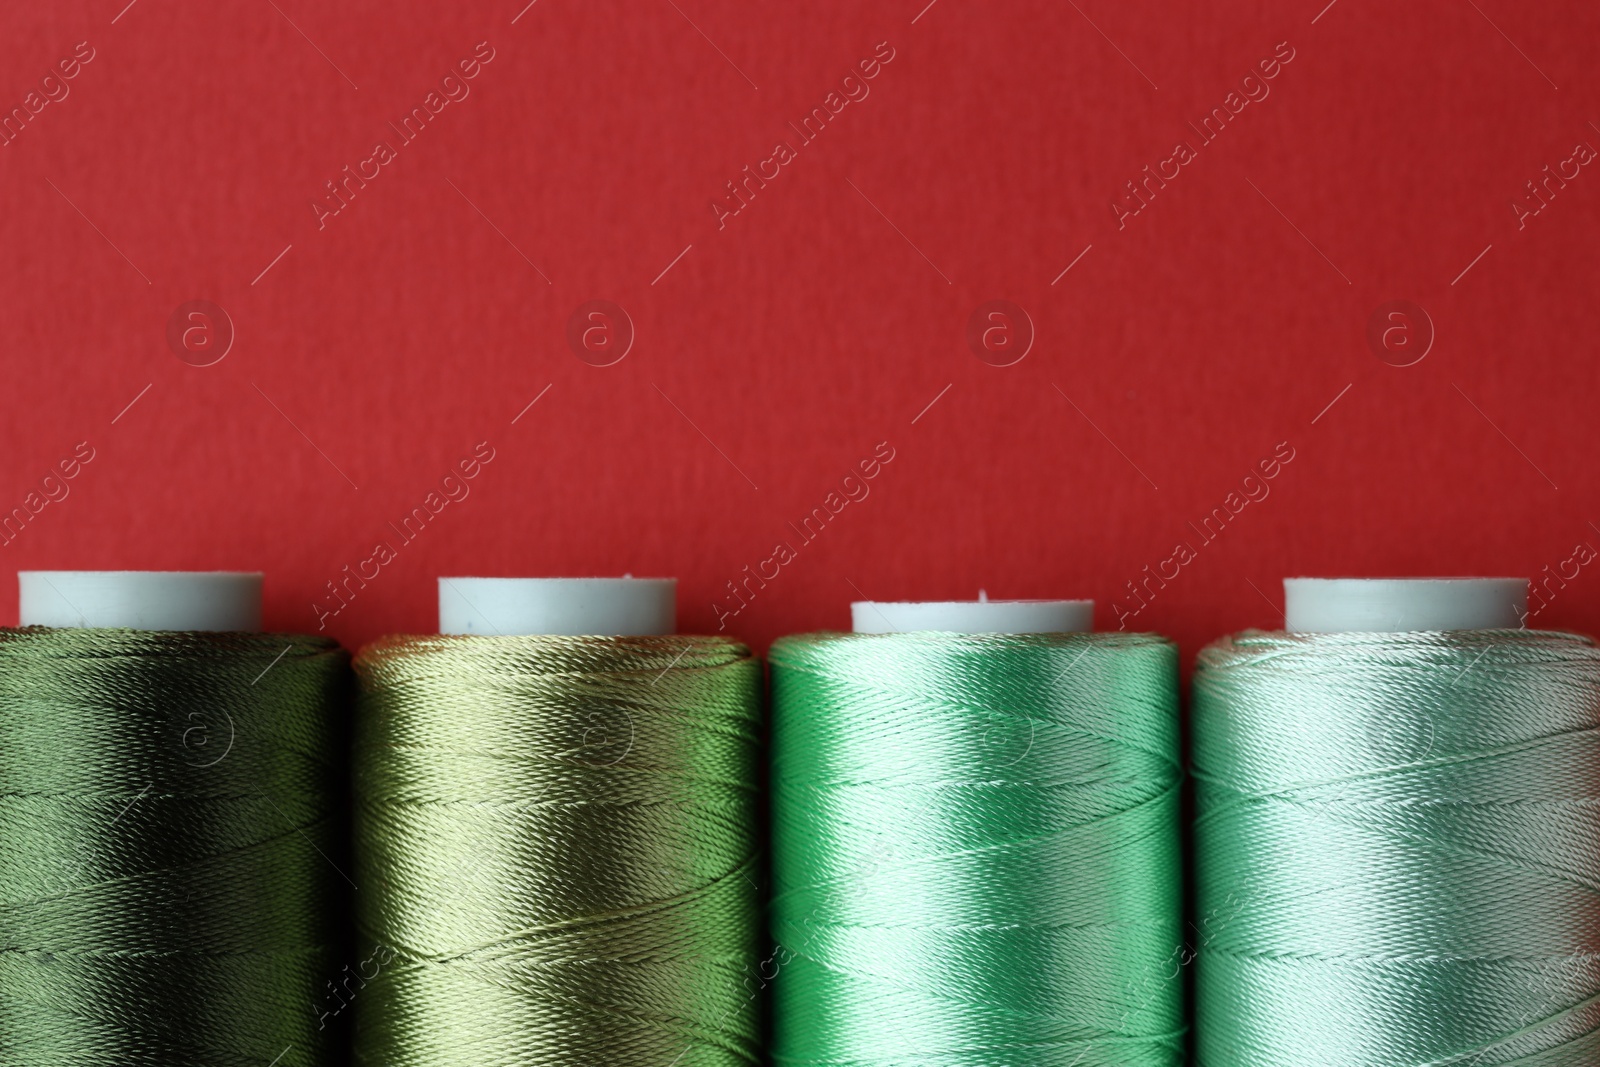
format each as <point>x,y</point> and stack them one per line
<point>975,842</point>
<point>1398,838</point>
<point>168,790</point>
<point>557,834</point>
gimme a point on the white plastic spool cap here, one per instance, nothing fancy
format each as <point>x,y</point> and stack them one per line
<point>1396,605</point>
<point>981,616</point>
<point>141,600</point>
<point>613,607</point>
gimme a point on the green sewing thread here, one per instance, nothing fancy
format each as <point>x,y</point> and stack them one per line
<point>166,801</point>
<point>975,849</point>
<point>557,847</point>
<point>1401,833</point>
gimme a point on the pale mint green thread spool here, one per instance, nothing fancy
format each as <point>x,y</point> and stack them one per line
<point>1398,832</point>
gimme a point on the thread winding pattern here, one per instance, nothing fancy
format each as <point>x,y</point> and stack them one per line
<point>975,850</point>
<point>166,817</point>
<point>1399,837</point>
<point>557,850</point>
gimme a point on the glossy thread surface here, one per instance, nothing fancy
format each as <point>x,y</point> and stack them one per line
<point>975,850</point>
<point>1398,849</point>
<point>167,818</point>
<point>557,852</point>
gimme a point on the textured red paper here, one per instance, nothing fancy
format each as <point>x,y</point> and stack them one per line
<point>774,348</point>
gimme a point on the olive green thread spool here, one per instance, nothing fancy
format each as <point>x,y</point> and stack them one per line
<point>557,833</point>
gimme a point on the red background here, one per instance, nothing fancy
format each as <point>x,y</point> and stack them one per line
<point>780,349</point>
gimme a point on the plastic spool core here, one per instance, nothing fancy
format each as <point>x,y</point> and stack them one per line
<point>1397,605</point>
<point>981,616</point>
<point>611,607</point>
<point>141,600</point>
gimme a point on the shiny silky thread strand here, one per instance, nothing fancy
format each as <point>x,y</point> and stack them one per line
<point>557,848</point>
<point>167,814</point>
<point>1399,836</point>
<point>976,851</point>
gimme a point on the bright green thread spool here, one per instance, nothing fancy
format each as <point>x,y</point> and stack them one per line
<point>975,849</point>
<point>1398,849</point>
<point>557,849</point>
<point>167,814</point>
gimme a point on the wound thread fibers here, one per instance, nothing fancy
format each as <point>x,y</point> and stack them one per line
<point>167,814</point>
<point>557,851</point>
<point>1398,849</point>
<point>975,850</point>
